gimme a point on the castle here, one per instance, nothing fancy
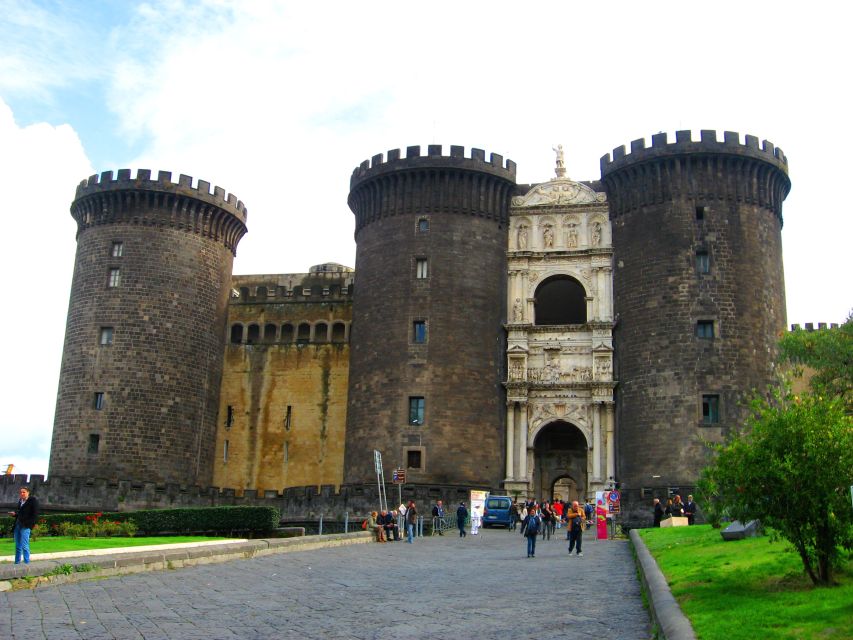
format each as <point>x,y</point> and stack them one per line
<point>541,340</point>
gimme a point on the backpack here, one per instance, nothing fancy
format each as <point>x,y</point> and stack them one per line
<point>533,526</point>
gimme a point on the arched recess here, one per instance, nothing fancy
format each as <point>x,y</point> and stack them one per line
<point>559,451</point>
<point>560,299</point>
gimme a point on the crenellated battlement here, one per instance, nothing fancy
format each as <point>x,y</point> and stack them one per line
<point>143,181</point>
<point>684,144</point>
<point>810,326</point>
<point>103,199</point>
<point>393,161</point>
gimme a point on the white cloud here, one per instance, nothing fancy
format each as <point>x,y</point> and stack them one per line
<point>40,166</point>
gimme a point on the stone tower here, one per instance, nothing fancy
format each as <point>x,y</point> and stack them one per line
<point>142,361</point>
<point>698,294</point>
<point>427,343</point>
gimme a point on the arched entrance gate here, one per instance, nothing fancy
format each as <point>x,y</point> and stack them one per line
<point>560,462</point>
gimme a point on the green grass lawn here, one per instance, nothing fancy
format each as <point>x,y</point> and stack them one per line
<point>51,544</point>
<point>749,588</point>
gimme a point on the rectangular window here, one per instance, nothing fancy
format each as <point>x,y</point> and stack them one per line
<point>94,442</point>
<point>705,329</point>
<point>114,278</point>
<point>117,250</point>
<point>99,400</point>
<point>421,268</point>
<point>106,336</point>
<point>413,459</point>
<point>225,451</point>
<point>419,332</point>
<point>287,417</point>
<point>229,417</point>
<point>710,409</point>
<point>700,212</point>
<point>703,262</point>
<point>423,224</point>
<point>416,410</point>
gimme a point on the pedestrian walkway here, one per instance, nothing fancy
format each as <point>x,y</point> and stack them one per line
<point>440,587</point>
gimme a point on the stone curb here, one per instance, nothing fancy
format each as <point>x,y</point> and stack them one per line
<point>86,567</point>
<point>671,622</point>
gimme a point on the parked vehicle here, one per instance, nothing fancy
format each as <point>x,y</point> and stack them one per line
<point>496,511</point>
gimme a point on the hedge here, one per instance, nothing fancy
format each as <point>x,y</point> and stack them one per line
<point>195,520</point>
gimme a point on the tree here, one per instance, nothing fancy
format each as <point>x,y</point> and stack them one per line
<point>790,467</point>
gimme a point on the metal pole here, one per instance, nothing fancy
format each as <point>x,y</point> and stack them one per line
<point>321,525</point>
<point>346,522</point>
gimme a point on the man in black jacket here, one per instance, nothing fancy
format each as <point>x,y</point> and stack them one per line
<point>25,519</point>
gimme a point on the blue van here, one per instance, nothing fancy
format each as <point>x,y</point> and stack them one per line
<point>496,511</point>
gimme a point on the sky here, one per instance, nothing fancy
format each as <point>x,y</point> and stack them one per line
<point>278,102</point>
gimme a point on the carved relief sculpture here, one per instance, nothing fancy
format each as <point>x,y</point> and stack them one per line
<point>548,236</point>
<point>596,234</point>
<point>517,311</point>
<point>522,237</point>
<point>572,236</point>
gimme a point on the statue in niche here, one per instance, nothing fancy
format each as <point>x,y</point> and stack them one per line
<point>517,370</point>
<point>517,311</point>
<point>522,237</point>
<point>596,234</point>
<point>572,236</point>
<point>548,236</point>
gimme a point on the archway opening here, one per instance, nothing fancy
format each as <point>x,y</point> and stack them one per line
<point>560,300</point>
<point>559,462</point>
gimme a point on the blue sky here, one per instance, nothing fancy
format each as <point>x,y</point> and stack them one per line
<point>277,102</point>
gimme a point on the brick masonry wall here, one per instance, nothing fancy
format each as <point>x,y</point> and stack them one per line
<point>160,377</point>
<point>459,369</point>
<point>663,367</point>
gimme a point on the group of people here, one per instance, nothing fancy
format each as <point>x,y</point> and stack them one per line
<point>542,519</point>
<point>386,524</point>
<point>674,508</point>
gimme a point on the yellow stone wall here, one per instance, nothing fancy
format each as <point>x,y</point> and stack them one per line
<point>263,378</point>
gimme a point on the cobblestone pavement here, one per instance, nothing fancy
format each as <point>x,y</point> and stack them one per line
<point>441,587</point>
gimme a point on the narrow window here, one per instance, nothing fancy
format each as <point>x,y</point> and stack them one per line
<point>423,224</point>
<point>236,334</point>
<point>114,279</point>
<point>106,336</point>
<point>416,410</point>
<point>703,262</point>
<point>710,409</point>
<point>254,334</point>
<point>229,417</point>
<point>705,329</point>
<point>94,442</point>
<point>117,250</point>
<point>413,459</point>
<point>700,212</point>
<point>419,333</point>
<point>421,268</point>
<point>303,333</point>
<point>225,451</point>
<point>287,416</point>
<point>99,400</point>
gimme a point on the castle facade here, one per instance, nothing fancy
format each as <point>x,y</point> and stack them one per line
<point>543,340</point>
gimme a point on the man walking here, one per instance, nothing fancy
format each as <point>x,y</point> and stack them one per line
<point>25,519</point>
<point>461,517</point>
<point>575,518</point>
<point>690,510</point>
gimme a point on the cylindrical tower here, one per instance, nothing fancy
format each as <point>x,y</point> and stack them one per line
<point>699,296</point>
<point>142,361</point>
<point>427,345</point>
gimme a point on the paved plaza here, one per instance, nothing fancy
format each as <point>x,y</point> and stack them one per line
<point>440,587</point>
